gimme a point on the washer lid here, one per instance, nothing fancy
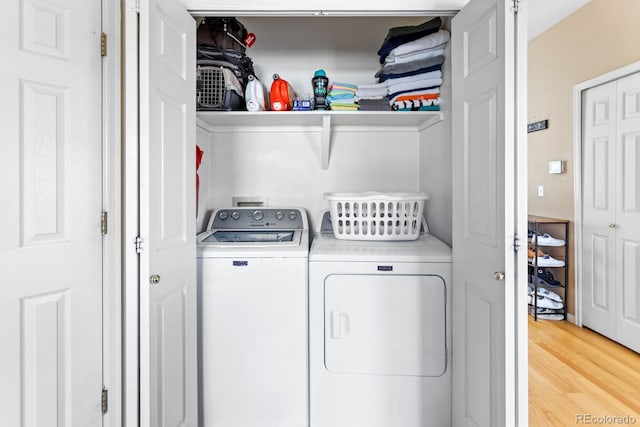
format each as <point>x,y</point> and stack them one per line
<point>233,236</point>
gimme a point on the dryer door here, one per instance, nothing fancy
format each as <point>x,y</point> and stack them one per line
<point>385,325</point>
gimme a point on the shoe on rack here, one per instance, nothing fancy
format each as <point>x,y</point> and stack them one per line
<point>544,302</point>
<point>545,277</point>
<point>546,240</point>
<point>548,261</point>
<point>550,316</point>
<point>531,253</point>
<point>548,311</point>
<point>549,294</point>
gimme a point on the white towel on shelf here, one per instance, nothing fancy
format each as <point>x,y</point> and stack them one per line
<point>377,89</point>
<point>365,92</point>
<point>423,43</point>
<point>415,56</point>
<point>403,87</point>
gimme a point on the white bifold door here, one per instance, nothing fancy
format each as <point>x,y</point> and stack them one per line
<point>168,343</point>
<point>489,330</point>
<point>611,210</point>
<point>50,214</point>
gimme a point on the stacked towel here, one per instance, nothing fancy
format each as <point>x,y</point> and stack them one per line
<point>341,97</point>
<point>425,47</point>
<point>400,35</point>
<point>380,103</point>
<point>412,59</point>
<point>373,97</point>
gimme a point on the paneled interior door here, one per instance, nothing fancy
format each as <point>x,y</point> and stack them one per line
<point>51,203</point>
<point>168,343</point>
<point>487,44</point>
<point>611,210</point>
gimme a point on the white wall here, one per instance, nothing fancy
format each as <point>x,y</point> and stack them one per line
<point>435,162</point>
<point>284,167</point>
<point>202,140</point>
<point>346,48</point>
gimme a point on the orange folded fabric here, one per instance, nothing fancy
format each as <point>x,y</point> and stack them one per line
<point>418,97</point>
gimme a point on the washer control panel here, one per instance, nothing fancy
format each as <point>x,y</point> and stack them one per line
<point>247,218</point>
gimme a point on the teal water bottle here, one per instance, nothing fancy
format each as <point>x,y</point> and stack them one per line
<point>320,84</point>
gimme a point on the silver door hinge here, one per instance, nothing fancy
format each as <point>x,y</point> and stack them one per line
<point>103,223</point>
<point>103,44</point>
<point>138,242</point>
<point>516,6</point>
<point>516,243</point>
<point>105,400</point>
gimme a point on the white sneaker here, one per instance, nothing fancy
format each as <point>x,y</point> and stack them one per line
<point>546,240</point>
<point>548,261</point>
<point>550,316</point>
<point>549,294</point>
<point>544,302</point>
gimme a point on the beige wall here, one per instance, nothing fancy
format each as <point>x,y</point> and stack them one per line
<point>600,37</point>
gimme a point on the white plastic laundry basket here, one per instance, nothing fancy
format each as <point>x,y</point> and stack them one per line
<point>376,216</point>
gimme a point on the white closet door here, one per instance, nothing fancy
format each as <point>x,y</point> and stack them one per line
<point>50,208</point>
<point>628,212</point>
<point>168,346</point>
<point>598,213</point>
<point>485,102</point>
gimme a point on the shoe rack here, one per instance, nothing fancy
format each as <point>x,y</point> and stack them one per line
<point>559,229</point>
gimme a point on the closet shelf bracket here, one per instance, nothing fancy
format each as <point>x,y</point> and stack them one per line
<point>325,141</point>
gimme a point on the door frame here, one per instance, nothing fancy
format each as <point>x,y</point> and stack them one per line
<point>112,176</point>
<point>577,170</point>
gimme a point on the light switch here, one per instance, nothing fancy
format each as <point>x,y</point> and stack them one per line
<point>555,167</point>
<point>540,191</point>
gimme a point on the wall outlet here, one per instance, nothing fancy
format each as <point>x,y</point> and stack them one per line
<point>540,191</point>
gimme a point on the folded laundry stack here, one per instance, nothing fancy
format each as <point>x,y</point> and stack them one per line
<point>341,97</point>
<point>373,97</point>
<point>411,59</point>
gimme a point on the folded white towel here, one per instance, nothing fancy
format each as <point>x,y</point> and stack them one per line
<point>426,42</point>
<point>368,92</point>
<point>415,56</point>
<point>373,86</point>
<point>416,77</point>
<point>402,87</point>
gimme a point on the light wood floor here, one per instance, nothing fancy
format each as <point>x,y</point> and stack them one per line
<point>574,371</point>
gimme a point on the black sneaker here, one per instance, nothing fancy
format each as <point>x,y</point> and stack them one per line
<point>546,278</point>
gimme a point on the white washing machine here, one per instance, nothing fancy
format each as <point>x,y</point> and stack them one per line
<point>380,332</point>
<point>253,278</point>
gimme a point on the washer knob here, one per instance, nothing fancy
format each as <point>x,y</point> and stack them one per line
<point>235,215</point>
<point>293,215</point>
<point>257,215</point>
<point>279,215</point>
<point>223,215</point>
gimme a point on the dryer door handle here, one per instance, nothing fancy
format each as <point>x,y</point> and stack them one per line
<point>339,324</point>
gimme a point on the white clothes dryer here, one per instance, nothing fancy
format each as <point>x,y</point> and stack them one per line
<point>253,280</point>
<point>380,331</point>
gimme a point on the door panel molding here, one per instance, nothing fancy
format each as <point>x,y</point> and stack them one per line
<point>606,273</point>
<point>578,153</point>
